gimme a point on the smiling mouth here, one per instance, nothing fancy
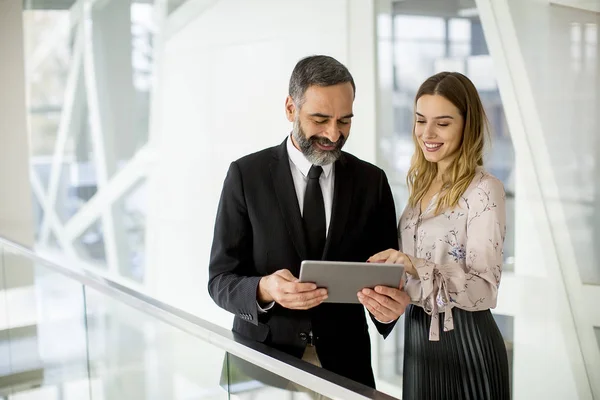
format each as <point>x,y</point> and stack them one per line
<point>432,146</point>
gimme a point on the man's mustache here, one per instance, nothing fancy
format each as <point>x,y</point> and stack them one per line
<point>326,142</point>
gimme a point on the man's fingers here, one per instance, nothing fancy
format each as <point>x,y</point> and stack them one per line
<point>396,294</point>
<point>286,274</point>
<point>390,306</point>
<point>379,311</point>
<point>383,304</point>
<point>303,300</point>
<point>305,305</point>
<point>299,287</point>
<point>378,315</point>
<point>290,284</point>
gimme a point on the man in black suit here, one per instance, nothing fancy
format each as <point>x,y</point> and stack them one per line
<point>306,199</point>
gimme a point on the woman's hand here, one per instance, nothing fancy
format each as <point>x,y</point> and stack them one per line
<point>391,256</point>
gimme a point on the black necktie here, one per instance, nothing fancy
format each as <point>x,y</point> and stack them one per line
<point>314,215</point>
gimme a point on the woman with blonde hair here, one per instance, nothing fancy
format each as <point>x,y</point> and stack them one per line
<point>451,239</point>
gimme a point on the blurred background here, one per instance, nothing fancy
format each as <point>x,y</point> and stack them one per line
<point>135,108</point>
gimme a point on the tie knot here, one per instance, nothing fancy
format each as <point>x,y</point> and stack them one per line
<point>315,172</point>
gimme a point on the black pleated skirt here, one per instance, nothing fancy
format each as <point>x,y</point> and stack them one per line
<point>467,363</point>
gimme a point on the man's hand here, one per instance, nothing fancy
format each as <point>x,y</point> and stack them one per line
<point>386,304</point>
<point>285,289</point>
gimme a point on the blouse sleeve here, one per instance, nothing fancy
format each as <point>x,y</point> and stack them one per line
<point>471,283</point>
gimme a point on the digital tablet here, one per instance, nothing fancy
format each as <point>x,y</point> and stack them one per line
<point>343,280</point>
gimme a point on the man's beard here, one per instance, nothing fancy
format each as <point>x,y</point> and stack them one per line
<point>309,148</point>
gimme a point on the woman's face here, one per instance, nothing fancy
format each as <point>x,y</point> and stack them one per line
<point>438,128</point>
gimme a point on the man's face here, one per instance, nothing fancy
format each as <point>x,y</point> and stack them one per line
<point>322,124</point>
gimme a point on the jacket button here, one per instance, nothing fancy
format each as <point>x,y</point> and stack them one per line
<point>303,336</point>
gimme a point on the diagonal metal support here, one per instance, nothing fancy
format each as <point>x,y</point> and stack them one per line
<point>50,214</point>
<point>69,120</point>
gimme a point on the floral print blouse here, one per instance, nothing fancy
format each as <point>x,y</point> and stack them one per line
<point>457,253</point>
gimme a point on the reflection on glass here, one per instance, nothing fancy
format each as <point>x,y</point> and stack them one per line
<point>42,330</point>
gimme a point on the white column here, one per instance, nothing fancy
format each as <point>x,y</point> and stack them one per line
<point>17,317</point>
<point>16,216</point>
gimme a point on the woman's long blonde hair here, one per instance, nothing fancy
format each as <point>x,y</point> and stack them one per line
<point>461,92</point>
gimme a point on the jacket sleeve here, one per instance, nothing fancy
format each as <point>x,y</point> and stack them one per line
<point>232,280</point>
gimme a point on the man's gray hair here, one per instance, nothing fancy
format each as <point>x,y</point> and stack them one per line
<point>318,71</point>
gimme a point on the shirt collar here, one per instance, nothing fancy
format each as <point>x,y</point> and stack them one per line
<point>301,162</point>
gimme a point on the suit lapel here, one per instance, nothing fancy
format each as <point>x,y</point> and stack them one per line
<point>287,198</point>
<point>342,199</point>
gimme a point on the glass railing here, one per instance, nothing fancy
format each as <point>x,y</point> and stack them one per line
<point>68,334</point>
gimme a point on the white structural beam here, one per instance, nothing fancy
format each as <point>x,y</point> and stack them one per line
<point>96,131</point>
<point>16,211</point>
<point>70,119</point>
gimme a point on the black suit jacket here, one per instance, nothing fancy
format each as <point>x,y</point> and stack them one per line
<point>258,230</point>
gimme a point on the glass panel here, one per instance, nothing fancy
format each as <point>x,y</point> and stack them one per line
<point>459,30</point>
<point>419,27</point>
<point>43,332</point>
<point>460,49</point>
<point>134,355</point>
<point>570,46</point>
